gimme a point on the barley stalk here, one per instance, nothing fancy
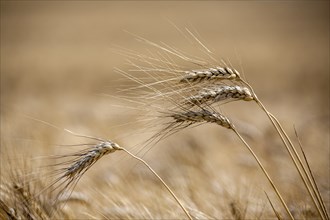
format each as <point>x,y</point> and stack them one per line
<point>204,115</point>
<point>309,184</point>
<point>266,173</point>
<point>274,210</point>
<point>161,180</point>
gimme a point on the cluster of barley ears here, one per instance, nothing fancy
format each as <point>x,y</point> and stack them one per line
<point>176,96</point>
<point>187,97</point>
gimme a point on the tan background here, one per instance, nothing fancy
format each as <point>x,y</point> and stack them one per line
<point>57,57</point>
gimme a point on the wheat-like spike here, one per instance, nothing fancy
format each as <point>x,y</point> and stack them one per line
<point>202,116</point>
<point>87,159</point>
<point>220,93</point>
<point>217,73</point>
<point>71,170</point>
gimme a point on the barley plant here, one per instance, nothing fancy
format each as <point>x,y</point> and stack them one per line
<point>177,140</point>
<point>191,95</point>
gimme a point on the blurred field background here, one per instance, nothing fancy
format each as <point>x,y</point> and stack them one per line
<point>57,58</point>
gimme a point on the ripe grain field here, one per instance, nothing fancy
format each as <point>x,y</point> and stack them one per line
<point>129,76</point>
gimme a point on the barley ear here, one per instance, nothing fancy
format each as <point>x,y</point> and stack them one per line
<point>219,93</point>
<point>211,74</point>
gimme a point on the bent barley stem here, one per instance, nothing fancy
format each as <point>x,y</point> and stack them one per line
<point>320,199</point>
<point>264,171</point>
<point>161,180</point>
<point>281,132</point>
<point>294,156</point>
<point>274,210</point>
<point>304,168</point>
